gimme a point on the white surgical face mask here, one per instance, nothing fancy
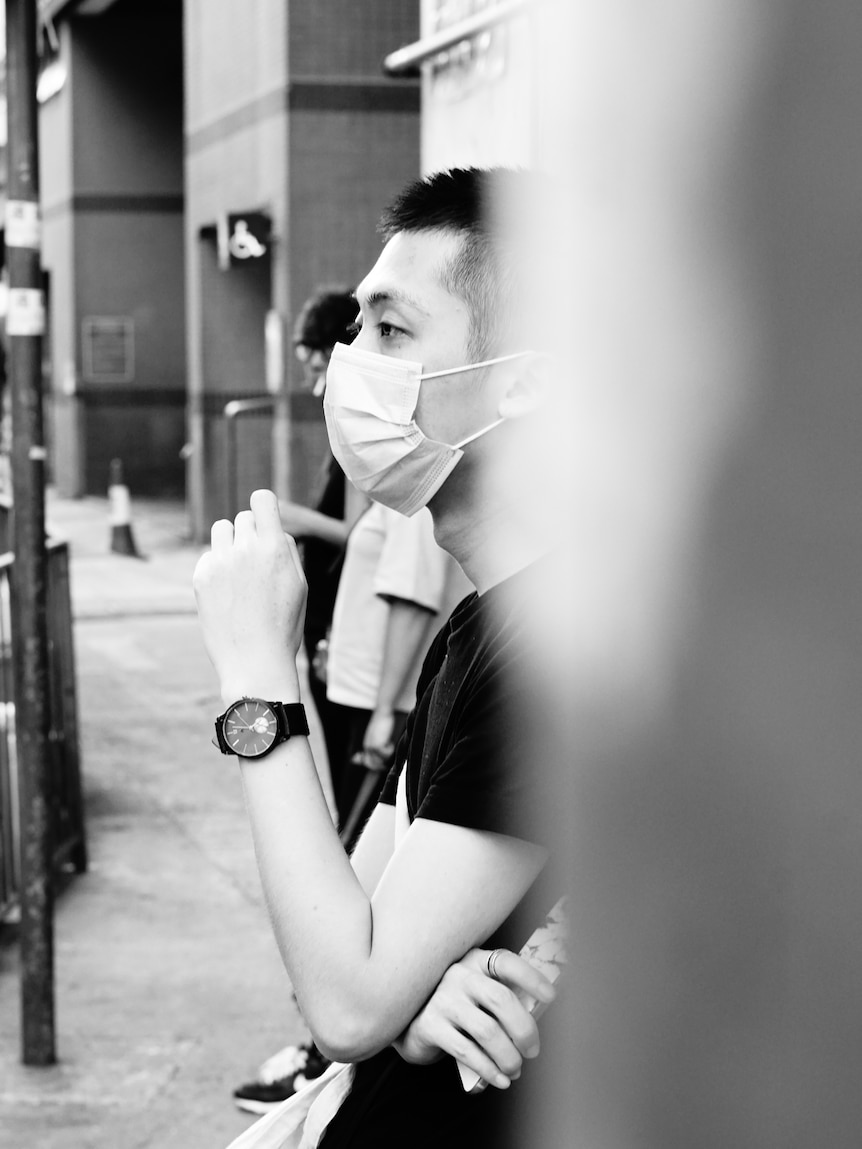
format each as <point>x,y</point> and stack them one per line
<point>369,404</point>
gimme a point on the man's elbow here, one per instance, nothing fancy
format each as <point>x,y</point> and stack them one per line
<point>349,1035</point>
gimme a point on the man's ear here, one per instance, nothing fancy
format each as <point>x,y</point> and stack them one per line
<point>526,386</point>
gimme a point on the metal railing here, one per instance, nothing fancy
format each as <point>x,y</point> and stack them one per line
<point>406,60</point>
<point>233,412</point>
<point>67,811</point>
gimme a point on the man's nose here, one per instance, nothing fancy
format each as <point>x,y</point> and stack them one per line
<point>362,340</point>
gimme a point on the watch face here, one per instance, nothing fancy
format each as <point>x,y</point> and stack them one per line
<point>250,728</point>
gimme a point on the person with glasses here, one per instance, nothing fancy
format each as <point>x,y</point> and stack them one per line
<point>321,529</point>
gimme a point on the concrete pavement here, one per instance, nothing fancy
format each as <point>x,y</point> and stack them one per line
<point>169,987</point>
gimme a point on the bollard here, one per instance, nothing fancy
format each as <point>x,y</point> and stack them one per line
<point>120,514</point>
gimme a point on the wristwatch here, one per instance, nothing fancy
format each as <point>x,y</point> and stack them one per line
<point>251,727</point>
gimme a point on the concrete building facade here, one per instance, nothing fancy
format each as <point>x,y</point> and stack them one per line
<point>205,165</point>
<point>294,137</point>
<point>112,201</point>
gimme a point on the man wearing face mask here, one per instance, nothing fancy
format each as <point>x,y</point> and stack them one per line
<point>450,871</point>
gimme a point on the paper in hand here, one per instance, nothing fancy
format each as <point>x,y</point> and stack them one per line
<point>545,950</point>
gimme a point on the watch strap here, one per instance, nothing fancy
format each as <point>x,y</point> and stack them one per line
<point>294,720</point>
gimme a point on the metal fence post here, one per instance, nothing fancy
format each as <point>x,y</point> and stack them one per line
<point>25,326</point>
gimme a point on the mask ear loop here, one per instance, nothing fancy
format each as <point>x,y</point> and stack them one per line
<point>477,434</point>
<point>476,366</point>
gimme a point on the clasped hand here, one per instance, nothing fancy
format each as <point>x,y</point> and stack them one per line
<point>478,1019</point>
<point>250,593</point>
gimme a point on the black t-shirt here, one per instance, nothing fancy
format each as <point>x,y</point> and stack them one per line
<point>469,763</point>
<point>322,560</point>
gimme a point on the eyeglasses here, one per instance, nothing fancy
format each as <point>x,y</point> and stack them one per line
<point>304,352</point>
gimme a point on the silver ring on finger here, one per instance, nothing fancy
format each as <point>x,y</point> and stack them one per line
<point>492,964</point>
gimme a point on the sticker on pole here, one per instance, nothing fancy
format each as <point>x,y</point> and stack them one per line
<point>23,224</point>
<point>26,313</point>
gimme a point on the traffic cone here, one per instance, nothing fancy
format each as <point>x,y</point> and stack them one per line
<point>120,514</point>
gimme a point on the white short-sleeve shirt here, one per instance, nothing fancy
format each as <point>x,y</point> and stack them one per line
<point>388,557</point>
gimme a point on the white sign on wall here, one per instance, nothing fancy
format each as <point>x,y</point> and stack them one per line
<point>108,349</point>
<point>477,96</point>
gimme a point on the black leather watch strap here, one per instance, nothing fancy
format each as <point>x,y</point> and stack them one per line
<point>294,718</point>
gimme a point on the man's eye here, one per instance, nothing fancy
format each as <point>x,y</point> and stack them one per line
<point>388,330</point>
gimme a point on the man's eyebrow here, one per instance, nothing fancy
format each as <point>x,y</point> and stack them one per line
<point>385,295</point>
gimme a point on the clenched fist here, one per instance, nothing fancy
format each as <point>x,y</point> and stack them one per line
<point>250,593</point>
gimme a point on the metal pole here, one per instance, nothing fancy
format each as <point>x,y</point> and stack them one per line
<point>231,434</point>
<point>25,326</point>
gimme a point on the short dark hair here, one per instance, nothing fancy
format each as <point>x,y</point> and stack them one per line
<point>466,202</point>
<point>326,318</point>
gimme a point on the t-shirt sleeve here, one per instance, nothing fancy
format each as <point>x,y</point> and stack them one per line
<point>411,565</point>
<point>489,778</point>
<point>430,666</point>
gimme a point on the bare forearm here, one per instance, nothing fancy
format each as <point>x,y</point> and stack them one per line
<point>406,629</point>
<point>303,521</point>
<point>320,913</point>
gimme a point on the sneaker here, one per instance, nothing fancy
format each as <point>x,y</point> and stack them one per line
<point>315,1064</point>
<point>280,1077</point>
<point>284,1063</point>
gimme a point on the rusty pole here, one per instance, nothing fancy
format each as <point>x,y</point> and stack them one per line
<point>25,326</point>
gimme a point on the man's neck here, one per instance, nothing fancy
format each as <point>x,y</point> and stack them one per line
<point>490,542</point>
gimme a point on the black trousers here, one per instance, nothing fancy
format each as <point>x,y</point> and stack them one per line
<point>347,780</point>
<point>336,732</point>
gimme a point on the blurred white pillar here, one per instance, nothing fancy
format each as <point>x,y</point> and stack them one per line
<point>697,271</point>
